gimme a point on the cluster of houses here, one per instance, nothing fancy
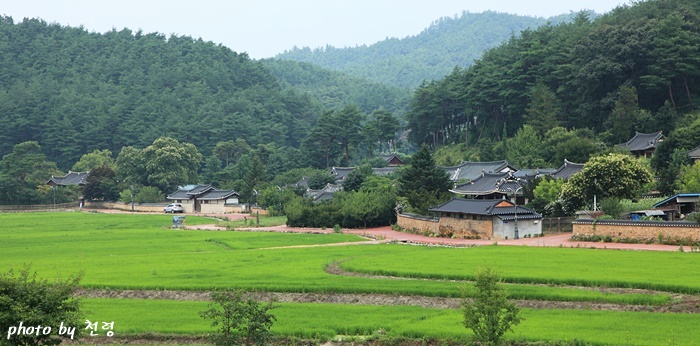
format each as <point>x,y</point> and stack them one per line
<point>489,203</point>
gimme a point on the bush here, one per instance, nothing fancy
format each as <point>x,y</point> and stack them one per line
<point>149,194</point>
<point>490,315</point>
<point>31,301</point>
<point>240,320</point>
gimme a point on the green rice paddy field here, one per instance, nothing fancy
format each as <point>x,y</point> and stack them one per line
<point>124,251</point>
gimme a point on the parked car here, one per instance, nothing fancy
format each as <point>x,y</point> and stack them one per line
<point>174,208</point>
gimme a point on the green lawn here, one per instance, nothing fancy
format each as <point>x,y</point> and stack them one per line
<point>328,320</point>
<point>251,221</point>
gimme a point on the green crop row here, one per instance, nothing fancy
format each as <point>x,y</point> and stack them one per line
<point>140,252</point>
<point>326,321</point>
<point>657,270</point>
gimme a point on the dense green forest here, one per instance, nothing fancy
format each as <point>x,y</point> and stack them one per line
<point>636,68</point>
<point>334,89</point>
<point>73,91</point>
<point>141,103</point>
<point>431,54</point>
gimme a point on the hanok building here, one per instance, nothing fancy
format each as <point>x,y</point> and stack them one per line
<point>644,144</point>
<point>491,186</point>
<point>324,194</point>
<point>567,170</point>
<point>340,173</point>
<point>392,159</point>
<point>72,178</point>
<point>206,199</point>
<point>487,219</point>
<point>694,154</point>
<point>468,171</point>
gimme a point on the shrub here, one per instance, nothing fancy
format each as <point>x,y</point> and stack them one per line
<point>490,315</point>
<point>31,301</point>
<point>240,320</point>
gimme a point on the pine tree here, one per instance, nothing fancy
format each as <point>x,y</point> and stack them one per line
<point>422,183</point>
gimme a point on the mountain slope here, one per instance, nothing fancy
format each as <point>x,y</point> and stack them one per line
<point>432,54</point>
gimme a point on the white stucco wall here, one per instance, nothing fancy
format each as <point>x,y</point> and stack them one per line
<point>503,229</point>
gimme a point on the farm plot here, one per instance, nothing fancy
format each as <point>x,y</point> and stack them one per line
<point>133,316</point>
<point>139,252</point>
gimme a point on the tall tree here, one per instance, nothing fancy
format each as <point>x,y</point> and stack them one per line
<point>97,158</point>
<point>543,110</point>
<point>169,163</point>
<point>613,175</point>
<point>422,183</point>
<point>350,120</point>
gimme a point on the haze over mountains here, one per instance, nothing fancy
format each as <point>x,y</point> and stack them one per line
<point>430,54</point>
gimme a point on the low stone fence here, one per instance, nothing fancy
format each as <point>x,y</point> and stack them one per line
<point>639,231</point>
<point>38,207</point>
<point>145,207</point>
<point>417,223</point>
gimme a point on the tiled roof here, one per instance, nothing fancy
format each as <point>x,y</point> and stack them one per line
<point>567,170</point>
<point>643,141</point>
<point>304,182</point>
<point>206,192</point>
<point>218,194</point>
<point>472,170</point>
<point>533,173</point>
<point>487,184</point>
<point>694,153</point>
<point>199,189</point>
<point>391,157</point>
<point>503,209</point>
<point>341,172</point>
<point>72,178</point>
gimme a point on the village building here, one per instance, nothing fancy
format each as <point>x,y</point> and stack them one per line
<point>468,171</point>
<point>206,199</point>
<point>644,144</point>
<point>392,159</point>
<point>566,170</point>
<point>72,178</point>
<point>477,219</point>
<point>492,186</point>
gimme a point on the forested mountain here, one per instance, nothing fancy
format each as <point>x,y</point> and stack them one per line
<point>432,54</point>
<point>73,91</point>
<point>634,68</point>
<point>335,89</point>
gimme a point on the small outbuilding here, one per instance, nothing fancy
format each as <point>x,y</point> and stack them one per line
<point>487,219</point>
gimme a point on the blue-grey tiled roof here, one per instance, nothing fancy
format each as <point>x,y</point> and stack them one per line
<point>643,141</point>
<point>217,194</point>
<point>495,207</point>
<point>489,183</point>
<point>72,178</point>
<point>567,170</point>
<point>473,170</point>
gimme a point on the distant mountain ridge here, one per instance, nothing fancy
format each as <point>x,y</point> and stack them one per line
<point>432,54</point>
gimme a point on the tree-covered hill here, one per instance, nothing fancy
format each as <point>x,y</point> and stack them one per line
<point>432,54</point>
<point>335,89</point>
<point>74,91</point>
<point>634,69</point>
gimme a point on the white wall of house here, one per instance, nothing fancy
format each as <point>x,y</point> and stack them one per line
<point>503,229</point>
<point>212,206</point>
<point>232,200</point>
<point>187,204</point>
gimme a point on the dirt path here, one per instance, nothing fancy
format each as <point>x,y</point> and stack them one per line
<point>388,235</point>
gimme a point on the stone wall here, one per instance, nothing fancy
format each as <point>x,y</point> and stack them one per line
<point>463,228</point>
<point>416,224</point>
<point>150,207</point>
<point>640,231</point>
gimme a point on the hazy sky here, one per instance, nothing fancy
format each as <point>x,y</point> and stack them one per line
<point>263,28</point>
